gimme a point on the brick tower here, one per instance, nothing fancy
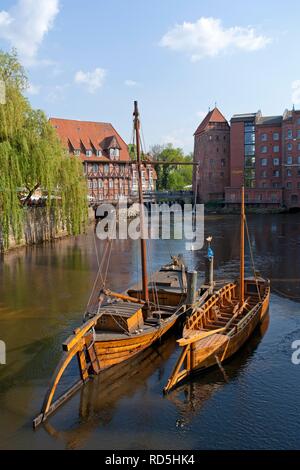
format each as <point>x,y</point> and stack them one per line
<point>212,153</point>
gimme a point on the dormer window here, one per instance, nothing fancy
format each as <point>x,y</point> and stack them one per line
<point>114,154</point>
<point>88,153</point>
<point>99,153</point>
<point>77,153</point>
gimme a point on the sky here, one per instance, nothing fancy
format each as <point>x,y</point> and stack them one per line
<point>89,60</point>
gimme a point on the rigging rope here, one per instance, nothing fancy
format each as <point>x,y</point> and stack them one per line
<point>252,260</point>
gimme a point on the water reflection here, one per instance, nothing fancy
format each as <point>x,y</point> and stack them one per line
<point>191,396</point>
<point>43,293</point>
<point>98,400</point>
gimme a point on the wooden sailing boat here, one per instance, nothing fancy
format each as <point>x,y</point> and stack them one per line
<point>123,325</point>
<point>218,329</point>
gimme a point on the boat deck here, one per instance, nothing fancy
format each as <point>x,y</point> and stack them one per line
<point>112,335</point>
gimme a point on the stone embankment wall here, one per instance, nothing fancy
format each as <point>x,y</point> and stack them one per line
<point>38,228</point>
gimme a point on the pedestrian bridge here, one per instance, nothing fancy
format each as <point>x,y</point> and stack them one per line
<point>186,197</point>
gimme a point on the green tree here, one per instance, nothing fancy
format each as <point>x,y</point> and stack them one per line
<point>32,158</point>
<point>172,177</point>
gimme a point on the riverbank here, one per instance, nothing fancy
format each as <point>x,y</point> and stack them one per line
<point>233,210</point>
<point>39,227</point>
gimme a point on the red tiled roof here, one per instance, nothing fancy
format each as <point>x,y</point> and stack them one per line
<point>85,135</point>
<point>213,116</point>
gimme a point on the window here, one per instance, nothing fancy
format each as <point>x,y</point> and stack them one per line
<point>249,127</point>
<point>99,153</point>
<point>289,185</point>
<point>264,137</point>
<point>106,169</point>
<point>263,162</point>
<point>289,160</point>
<point>276,161</point>
<point>77,153</point>
<point>250,162</point>
<point>290,147</point>
<point>258,197</point>
<point>249,150</point>
<point>249,138</point>
<point>298,134</point>
<point>289,173</point>
<point>264,174</point>
<point>289,134</point>
<point>222,174</point>
<point>298,120</point>
<point>90,184</point>
<point>95,168</point>
<point>114,153</point>
<point>276,148</point>
<point>298,172</point>
<point>275,185</point>
<point>223,162</point>
<point>276,136</point>
<point>100,184</point>
<point>111,184</point>
<point>298,146</point>
<point>298,159</point>
<point>263,184</point>
<point>88,153</point>
<point>264,149</point>
<point>95,184</point>
<point>276,174</point>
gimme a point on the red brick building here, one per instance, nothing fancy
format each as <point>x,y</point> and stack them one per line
<point>264,156</point>
<point>212,151</point>
<point>105,159</point>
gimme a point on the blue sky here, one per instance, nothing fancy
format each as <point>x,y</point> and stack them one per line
<point>90,59</point>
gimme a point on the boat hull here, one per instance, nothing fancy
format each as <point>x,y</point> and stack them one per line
<point>204,358</point>
<point>217,331</point>
<point>111,353</point>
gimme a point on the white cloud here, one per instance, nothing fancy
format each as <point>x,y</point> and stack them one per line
<point>131,83</point>
<point>182,138</point>
<point>208,38</point>
<point>296,92</point>
<point>25,25</point>
<point>93,80</point>
<point>5,19</point>
<point>33,89</point>
<point>58,93</point>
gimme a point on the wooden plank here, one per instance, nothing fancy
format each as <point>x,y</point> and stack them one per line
<point>59,402</point>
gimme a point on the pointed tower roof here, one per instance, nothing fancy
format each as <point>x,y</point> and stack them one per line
<point>214,116</point>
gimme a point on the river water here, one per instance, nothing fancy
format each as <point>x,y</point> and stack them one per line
<point>43,292</point>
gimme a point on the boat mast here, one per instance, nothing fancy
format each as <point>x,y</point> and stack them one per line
<point>137,126</point>
<point>242,254</point>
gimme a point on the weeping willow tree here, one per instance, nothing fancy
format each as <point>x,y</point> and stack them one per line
<point>33,159</point>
